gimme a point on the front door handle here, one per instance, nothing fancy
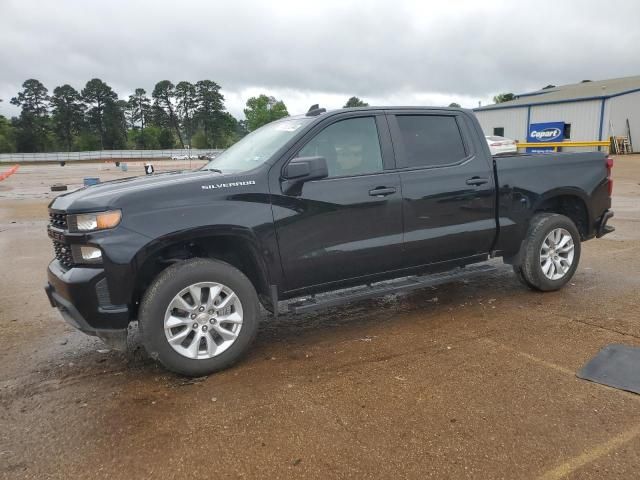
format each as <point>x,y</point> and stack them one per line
<point>382,191</point>
<point>477,181</point>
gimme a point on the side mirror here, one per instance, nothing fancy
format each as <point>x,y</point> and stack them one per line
<point>304,169</point>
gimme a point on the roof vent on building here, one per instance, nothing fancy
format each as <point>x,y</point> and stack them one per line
<point>315,110</point>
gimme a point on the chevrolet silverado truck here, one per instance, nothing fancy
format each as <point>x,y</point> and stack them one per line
<point>313,211</point>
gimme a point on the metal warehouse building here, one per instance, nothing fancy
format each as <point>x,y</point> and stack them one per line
<point>586,111</point>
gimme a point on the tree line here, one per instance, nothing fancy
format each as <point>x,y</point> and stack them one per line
<point>94,118</point>
<point>173,116</point>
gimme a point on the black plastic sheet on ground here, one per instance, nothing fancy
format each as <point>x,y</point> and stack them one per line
<point>616,366</point>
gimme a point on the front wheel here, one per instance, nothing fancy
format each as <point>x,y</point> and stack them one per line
<point>199,316</point>
<point>550,253</point>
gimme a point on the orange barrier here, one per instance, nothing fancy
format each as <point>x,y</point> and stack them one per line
<point>9,172</point>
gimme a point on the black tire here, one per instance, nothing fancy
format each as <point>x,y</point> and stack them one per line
<point>530,272</point>
<point>517,269</point>
<point>162,291</point>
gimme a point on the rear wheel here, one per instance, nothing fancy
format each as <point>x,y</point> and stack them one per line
<point>517,269</point>
<point>199,316</point>
<point>550,254</point>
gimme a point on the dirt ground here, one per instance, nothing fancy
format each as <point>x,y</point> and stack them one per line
<point>473,379</point>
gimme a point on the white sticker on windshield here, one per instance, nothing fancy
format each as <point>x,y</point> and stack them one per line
<point>288,127</point>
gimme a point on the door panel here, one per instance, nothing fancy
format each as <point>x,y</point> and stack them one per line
<point>335,230</point>
<point>446,219</point>
<point>448,192</point>
<point>347,226</point>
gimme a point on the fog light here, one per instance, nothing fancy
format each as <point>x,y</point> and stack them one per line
<point>90,254</point>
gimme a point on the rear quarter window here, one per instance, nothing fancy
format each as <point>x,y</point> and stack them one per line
<point>430,140</point>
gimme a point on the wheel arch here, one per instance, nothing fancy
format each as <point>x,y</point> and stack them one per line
<point>572,203</point>
<point>237,246</point>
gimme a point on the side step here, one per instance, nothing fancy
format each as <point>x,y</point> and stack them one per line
<point>406,284</point>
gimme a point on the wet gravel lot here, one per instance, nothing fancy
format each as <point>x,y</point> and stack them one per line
<point>473,379</point>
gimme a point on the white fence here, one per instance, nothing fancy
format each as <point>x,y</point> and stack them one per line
<point>103,155</point>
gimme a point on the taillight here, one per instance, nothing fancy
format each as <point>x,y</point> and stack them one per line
<point>609,163</point>
<point>496,144</point>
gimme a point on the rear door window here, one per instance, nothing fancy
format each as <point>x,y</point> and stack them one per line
<point>429,140</point>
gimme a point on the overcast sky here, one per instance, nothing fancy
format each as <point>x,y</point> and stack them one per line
<point>394,52</point>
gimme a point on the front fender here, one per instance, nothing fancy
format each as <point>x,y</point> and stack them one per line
<point>246,236</point>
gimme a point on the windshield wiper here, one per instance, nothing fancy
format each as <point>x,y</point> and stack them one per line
<point>217,170</point>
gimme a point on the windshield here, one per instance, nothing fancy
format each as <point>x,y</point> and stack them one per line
<point>257,147</point>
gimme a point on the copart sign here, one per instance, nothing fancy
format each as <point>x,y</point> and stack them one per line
<point>544,132</point>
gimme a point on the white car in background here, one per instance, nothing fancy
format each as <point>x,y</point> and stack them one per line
<point>499,145</point>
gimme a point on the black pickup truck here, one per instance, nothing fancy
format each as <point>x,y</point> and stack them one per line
<point>312,211</point>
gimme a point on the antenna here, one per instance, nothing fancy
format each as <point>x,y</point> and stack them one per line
<point>315,110</point>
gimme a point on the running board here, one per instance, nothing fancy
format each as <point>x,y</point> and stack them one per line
<point>406,284</point>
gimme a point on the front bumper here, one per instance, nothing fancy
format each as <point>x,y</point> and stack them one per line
<point>79,295</point>
<point>603,228</point>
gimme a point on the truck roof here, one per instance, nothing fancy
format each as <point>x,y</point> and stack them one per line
<point>375,108</point>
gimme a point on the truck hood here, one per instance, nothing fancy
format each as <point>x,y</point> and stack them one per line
<point>149,188</point>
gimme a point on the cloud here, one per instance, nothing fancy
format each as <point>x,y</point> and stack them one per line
<point>385,52</point>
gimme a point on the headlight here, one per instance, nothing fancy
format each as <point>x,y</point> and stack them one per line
<point>87,222</point>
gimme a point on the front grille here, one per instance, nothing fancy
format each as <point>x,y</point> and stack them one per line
<point>58,220</point>
<point>63,253</point>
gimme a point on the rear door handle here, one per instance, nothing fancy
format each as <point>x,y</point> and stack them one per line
<point>477,181</point>
<point>382,191</point>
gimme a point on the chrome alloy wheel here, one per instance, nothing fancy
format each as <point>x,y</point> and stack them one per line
<point>556,254</point>
<point>203,320</point>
